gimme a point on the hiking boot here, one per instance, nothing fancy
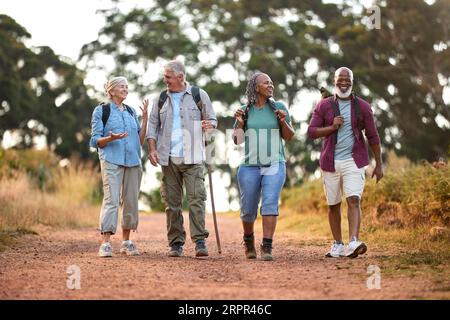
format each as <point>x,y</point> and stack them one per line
<point>250,251</point>
<point>266,253</point>
<point>129,248</point>
<point>337,250</point>
<point>200,249</point>
<point>105,250</point>
<point>176,250</point>
<point>355,248</point>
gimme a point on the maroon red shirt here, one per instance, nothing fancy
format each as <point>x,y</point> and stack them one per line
<point>323,116</point>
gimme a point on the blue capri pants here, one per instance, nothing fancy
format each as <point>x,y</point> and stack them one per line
<point>257,182</point>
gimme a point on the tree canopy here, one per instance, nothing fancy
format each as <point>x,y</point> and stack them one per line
<point>402,68</point>
<point>41,94</point>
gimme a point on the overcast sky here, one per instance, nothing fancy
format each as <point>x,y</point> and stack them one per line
<point>62,25</point>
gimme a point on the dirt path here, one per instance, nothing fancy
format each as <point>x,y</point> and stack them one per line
<point>35,268</point>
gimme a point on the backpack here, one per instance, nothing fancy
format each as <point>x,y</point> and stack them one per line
<point>195,94</point>
<point>106,111</point>
<point>247,108</point>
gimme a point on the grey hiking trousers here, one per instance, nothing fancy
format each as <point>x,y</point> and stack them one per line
<point>120,189</point>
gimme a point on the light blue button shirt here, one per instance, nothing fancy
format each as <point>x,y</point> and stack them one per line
<point>176,141</point>
<point>123,152</point>
<point>345,135</point>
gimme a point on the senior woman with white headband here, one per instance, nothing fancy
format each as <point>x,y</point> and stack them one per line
<point>118,137</point>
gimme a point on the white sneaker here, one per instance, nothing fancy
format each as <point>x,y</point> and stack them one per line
<point>337,250</point>
<point>355,248</point>
<point>129,248</point>
<point>105,250</point>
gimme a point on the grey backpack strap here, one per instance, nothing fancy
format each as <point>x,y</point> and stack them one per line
<point>162,99</point>
<point>197,98</point>
<point>335,106</point>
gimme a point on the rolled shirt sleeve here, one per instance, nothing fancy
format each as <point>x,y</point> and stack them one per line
<point>210,114</point>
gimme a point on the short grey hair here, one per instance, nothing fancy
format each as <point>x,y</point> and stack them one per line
<point>176,67</point>
<point>338,71</point>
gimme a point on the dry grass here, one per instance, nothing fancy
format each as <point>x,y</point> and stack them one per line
<point>77,184</point>
<point>24,206</point>
<point>66,200</point>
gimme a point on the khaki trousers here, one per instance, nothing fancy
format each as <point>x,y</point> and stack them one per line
<point>120,188</point>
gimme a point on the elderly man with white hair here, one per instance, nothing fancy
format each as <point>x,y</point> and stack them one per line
<point>175,137</point>
<point>340,120</point>
<point>118,136</point>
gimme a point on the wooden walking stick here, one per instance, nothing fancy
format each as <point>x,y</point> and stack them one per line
<point>208,166</point>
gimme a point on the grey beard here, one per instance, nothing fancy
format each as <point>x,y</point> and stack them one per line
<point>343,95</point>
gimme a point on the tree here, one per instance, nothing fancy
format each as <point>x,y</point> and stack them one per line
<point>406,63</point>
<point>138,39</point>
<point>243,36</point>
<point>41,94</point>
<point>401,68</point>
<point>17,64</point>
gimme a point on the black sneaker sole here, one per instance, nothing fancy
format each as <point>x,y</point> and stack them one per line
<point>361,249</point>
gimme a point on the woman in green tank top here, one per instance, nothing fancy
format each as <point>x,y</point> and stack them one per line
<point>261,125</point>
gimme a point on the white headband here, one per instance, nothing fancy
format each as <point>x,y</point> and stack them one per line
<point>113,82</point>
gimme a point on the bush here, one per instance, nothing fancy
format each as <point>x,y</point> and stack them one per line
<point>408,195</point>
<point>38,164</point>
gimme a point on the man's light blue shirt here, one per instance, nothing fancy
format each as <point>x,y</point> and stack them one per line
<point>345,135</point>
<point>123,152</point>
<point>176,141</point>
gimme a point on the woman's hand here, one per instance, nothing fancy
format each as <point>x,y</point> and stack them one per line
<point>287,132</point>
<point>239,116</point>
<point>281,114</point>
<point>117,136</point>
<point>102,142</point>
<point>144,108</point>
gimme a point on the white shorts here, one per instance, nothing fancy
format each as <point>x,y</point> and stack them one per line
<point>347,177</point>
